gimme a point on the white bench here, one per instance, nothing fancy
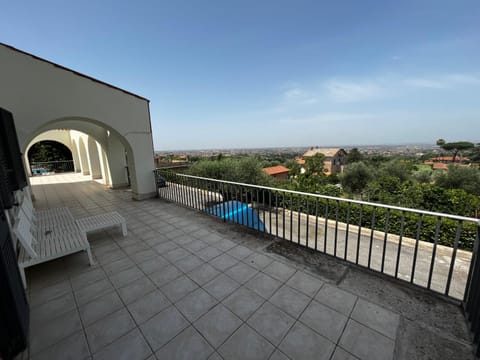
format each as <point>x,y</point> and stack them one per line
<point>39,246</point>
<point>102,221</point>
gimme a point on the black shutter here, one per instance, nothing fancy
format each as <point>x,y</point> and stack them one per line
<point>11,152</point>
<point>5,188</point>
<point>14,310</point>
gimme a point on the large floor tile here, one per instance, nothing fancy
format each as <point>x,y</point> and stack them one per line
<point>136,289</point>
<point>305,283</point>
<point>290,300</point>
<point>188,345</point>
<point>165,275</point>
<point>279,271</point>
<point>366,343</point>
<point>376,318</point>
<point>217,325</point>
<point>54,331</point>
<point>178,288</point>
<point>196,304</point>
<point>153,264</point>
<point>203,274</point>
<point>263,285</point>
<point>246,344</point>
<point>324,320</point>
<point>74,347</point>
<point>223,262</point>
<point>302,343</point>
<point>93,291</point>
<point>243,302</point>
<point>336,298</point>
<point>241,272</point>
<point>109,329</point>
<point>126,276</point>
<point>271,322</point>
<point>221,286</point>
<point>100,307</point>
<point>53,308</point>
<point>163,327</point>
<point>131,346</point>
<point>148,305</point>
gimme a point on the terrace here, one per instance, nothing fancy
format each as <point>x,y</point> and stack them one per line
<point>183,284</point>
<point>322,278</point>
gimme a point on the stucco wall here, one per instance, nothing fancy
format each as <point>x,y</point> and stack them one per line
<point>40,94</point>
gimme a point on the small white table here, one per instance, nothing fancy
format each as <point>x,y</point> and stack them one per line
<point>102,221</point>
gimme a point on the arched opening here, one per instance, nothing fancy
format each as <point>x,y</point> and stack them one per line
<point>48,156</point>
<point>114,156</point>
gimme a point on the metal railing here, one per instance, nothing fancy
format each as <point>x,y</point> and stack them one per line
<point>47,167</point>
<point>428,249</point>
<point>471,304</point>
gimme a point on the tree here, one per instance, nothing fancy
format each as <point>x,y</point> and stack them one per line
<point>457,177</point>
<point>245,170</point>
<point>423,177</point>
<point>400,169</point>
<point>355,177</point>
<point>48,151</point>
<point>314,165</point>
<point>455,147</point>
<point>293,166</point>
<point>353,156</point>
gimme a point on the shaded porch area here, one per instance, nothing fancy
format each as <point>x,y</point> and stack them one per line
<point>183,285</point>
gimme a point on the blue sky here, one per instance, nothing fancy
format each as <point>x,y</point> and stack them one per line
<point>273,73</point>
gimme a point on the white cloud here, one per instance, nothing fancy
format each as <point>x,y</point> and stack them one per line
<point>332,117</point>
<point>443,81</point>
<point>424,83</point>
<point>299,95</point>
<point>349,91</point>
<point>294,93</point>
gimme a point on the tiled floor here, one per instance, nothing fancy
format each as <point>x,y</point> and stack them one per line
<point>183,285</point>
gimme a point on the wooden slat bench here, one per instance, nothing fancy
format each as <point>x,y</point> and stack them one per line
<point>46,245</point>
<point>102,221</point>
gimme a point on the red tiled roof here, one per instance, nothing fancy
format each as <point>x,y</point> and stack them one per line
<point>449,158</point>
<point>440,166</point>
<point>273,170</point>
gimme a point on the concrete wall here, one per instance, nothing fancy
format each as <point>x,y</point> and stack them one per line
<point>43,97</point>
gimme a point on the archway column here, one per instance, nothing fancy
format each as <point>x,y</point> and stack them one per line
<point>115,153</point>
<point>82,151</point>
<point>93,159</point>
<point>104,165</point>
<point>141,165</point>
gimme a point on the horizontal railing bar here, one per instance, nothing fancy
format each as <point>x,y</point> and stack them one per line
<point>51,162</point>
<point>352,201</point>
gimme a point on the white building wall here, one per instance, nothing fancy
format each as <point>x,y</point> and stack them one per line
<point>43,96</point>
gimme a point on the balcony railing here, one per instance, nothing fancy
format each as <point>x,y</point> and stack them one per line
<point>48,167</point>
<point>428,249</point>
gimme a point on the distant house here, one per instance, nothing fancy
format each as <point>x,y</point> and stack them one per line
<point>334,158</point>
<point>439,166</point>
<point>448,159</point>
<point>279,172</point>
<point>441,162</point>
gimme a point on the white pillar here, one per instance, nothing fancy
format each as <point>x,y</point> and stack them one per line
<point>141,165</point>
<point>104,165</point>
<point>115,153</point>
<point>93,159</point>
<point>83,157</point>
